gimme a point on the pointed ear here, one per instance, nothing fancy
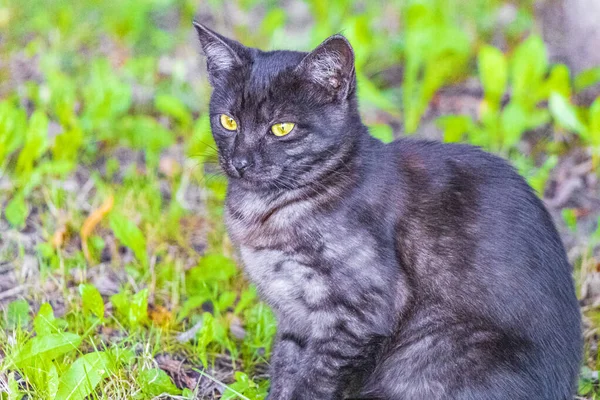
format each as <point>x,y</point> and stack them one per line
<point>331,65</point>
<point>222,54</point>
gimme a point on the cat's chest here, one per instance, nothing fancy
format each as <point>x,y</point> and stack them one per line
<point>290,283</point>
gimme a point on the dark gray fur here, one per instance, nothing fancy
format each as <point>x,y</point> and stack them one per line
<point>412,270</point>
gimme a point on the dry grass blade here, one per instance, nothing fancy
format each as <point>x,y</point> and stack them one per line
<point>91,221</point>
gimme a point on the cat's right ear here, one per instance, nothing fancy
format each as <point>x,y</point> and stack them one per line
<point>222,54</point>
<point>331,65</point>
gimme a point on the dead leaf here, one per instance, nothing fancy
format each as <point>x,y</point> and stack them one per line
<point>91,221</point>
<point>59,237</point>
<point>160,316</point>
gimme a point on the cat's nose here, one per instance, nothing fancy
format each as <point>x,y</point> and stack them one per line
<point>241,164</point>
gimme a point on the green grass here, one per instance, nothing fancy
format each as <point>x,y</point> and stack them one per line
<point>122,281</point>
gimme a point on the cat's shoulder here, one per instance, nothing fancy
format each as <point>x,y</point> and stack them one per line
<point>438,157</point>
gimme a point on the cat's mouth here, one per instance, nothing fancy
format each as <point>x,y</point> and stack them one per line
<point>255,179</point>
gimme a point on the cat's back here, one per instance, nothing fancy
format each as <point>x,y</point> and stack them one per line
<point>472,211</point>
<point>479,243</point>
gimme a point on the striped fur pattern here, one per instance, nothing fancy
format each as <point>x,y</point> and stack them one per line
<point>412,270</point>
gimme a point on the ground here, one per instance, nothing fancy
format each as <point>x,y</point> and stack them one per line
<point>113,254</point>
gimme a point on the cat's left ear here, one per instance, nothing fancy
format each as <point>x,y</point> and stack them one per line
<point>222,54</point>
<point>331,65</point>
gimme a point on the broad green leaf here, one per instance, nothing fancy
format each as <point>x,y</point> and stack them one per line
<point>587,78</point>
<point>382,132</point>
<point>92,300</point>
<point>16,211</point>
<point>247,297</point>
<point>226,300</point>
<point>14,392</point>
<point>559,81</point>
<point>120,302</point>
<point>493,73</point>
<point>205,337</point>
<point>528,67</point>
<point>566,114</point>
<point>595,122</point>
<point>191,304</point>
<point>67,145</point>
<point>44,322</point>
<point>570,218</point>
<point>213,268</point>
<point>84,375</point>
<point>155,382</point>
<point>52,381</point>
<point>13,124</point>
<point>272,21</point>
<point>202,145</point>
<point>138,309</point>
<point>36,142</point>
<point>241,386</point>
<point>368,92</point>
<point>514,123</point>
<point>173,107</point>
<point>49,347</point>
<point>130,235</point>
<point>18,313</point>
<point>455,127</point>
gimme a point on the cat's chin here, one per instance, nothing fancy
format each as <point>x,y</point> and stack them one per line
<point>255,184</point>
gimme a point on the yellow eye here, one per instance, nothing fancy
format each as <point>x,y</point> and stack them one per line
<point>228,122</point>
<point>282,128</point>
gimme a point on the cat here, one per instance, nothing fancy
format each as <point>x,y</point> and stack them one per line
<point>406,271</point>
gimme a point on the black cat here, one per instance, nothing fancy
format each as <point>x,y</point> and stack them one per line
<point>412,270</point>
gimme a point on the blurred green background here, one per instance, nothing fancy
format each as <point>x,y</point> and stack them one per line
<point>117,280</point>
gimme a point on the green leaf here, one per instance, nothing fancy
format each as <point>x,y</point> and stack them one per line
<point>587,78</point>
<point>514,123</point>
<point>45,323</point>
<point>273,20</point>
<point>138,309</point>
<point>13,124</point>
<point>213,268</point>
<point>84,375</point>
<point>528,67</point>
<point>206,336</point>
<point>92,300</point>
<point>202,145</point>
<point>49,347</point>
<point>382,132</point>
<point>455,127</point>
<point>52,381</point>
<point>133,308</point>
<point>155,382</point>
<point>18,314</point>
<point>120,302</point>
<point>493,73</point>
<point>13,388</point>
<point>570,218</point>
<point>559,81</point>
<point>173,107</point>
<point>594,126</point>
<point>566,114</point>
<point>368,92</point>
<point>16,211</point>
<point>67,145</point>
<point>130,235</point>
<point>36,142</point>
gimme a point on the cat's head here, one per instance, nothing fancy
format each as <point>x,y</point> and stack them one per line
<point>280,118</point>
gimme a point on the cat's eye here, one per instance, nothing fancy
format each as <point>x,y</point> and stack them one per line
<point>282,128</point>
<point>228,122</point>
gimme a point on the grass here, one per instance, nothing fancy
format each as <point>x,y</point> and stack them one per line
<point>117,279</point>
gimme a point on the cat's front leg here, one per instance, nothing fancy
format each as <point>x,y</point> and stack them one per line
<point>286,358</point>
<point>307,370</point>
